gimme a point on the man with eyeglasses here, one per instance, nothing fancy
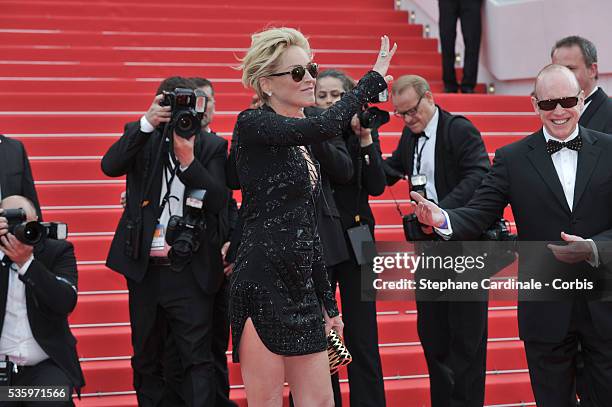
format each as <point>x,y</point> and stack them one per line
<point>580,56</point>
<point>447,154</point>
<point>558,183</point>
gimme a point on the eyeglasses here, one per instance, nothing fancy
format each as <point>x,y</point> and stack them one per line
<point>410,112</point>
<point>297,73</point>
<point>551,104</point>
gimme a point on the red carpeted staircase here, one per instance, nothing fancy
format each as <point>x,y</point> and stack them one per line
<point>72,72</point>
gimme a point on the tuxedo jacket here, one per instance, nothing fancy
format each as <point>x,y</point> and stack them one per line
<point>134,155</point>
<point>15,172</point>
<point>598,115</point>
<point>461,160</point>
<point>51,295</point>
<point>523,175</point>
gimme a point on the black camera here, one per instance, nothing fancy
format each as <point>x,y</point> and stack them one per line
<point>31,233</point>
<point>499,231</point>
<point>372,117</point>
<point>188,107</point>
<point>183,232</point>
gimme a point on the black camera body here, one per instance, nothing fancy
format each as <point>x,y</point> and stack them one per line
<point>188,107</point>
<point>184,232</point>
<point>372,117</point>
<point>31,233</point>
<point>499,232</point>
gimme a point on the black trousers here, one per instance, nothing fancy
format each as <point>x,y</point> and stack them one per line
<point>46,373</point>
<point>471,27</point>
<point>168,303</point>
<point>552,366</point>
<point>454,340</point>
<point>361,338</point>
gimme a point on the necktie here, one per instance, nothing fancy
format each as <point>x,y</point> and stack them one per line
<point>552,146</point>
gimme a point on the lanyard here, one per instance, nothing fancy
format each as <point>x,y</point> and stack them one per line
<point>174,170</point>
<point>419,153</point>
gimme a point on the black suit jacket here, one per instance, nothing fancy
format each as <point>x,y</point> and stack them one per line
<point>51,282</point>
<point>461,160</point>
<point>134,154</point>
<point>15,172</point>
<point>523,175</point>
<point>598,115</point>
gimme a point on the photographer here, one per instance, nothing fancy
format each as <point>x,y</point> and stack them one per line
<point>351,198</point>
<point>171,289</point>
<point>16,173</point>
<point>39,286</point>
<point>444,158</point>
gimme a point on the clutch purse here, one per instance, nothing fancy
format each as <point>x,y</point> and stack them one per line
<point>337,352</point>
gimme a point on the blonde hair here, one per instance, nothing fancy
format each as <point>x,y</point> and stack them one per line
<point>418,83</point>
<point>262,57</point>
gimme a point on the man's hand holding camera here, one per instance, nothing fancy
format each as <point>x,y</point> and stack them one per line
<point>18,252</point>
<point>183,150</point>
<point>364,134</point>
<point>158,114</point>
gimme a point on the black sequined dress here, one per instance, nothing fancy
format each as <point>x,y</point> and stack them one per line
<point>279,278</point>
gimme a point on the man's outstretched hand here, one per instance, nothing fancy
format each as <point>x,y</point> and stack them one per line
<point>427,212</point>
<point>577,249</point>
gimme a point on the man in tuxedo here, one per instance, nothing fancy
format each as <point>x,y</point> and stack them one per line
<point>160,168</point>
<point>558,183</point>
<point>448,152</point>
<point>15,172</point>
<point>468,11</point>
<point>38,285</point>
<point>580,56</point>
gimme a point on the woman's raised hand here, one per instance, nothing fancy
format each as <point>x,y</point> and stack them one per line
<point>384,58</point>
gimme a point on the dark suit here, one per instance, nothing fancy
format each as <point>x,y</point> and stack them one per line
<point>523,175</point>
<point>51,282</point>
<point>471,26</point>
<point>160,299</point>
<point>598,115</point>
<point>453,334</point>
<point>15,172</point>
<point>359,316</point>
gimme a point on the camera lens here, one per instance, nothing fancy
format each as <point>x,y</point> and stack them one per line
<point>186,125</point>
<point>30,233</point>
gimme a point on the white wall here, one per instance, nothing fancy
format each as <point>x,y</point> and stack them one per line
<point>518,36</point>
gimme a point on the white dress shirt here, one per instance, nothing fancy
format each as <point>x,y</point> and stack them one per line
<point>17,340</point>
<point>175,200</point>
<point>428,156</point>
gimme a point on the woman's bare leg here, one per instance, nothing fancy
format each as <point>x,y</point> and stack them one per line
<point>263,372</point>
<point>309,381</point>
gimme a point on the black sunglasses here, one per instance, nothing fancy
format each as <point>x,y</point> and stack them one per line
<point>551,104</point>
<point>297,73</point>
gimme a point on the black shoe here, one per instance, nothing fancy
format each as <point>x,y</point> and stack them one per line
<point>467,90</point>
<point>450,90</point>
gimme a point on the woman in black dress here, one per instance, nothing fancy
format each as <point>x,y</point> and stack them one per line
<point>281,302</point>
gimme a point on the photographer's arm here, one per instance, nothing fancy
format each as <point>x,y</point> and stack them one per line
<point>210,177</point>
<point>372,171</point>
<point>54,285</point>
<point>334,159</point>
<point>473,163</point>
<point>120,157</point>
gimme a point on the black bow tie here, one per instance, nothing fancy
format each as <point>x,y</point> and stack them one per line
<point>552,146</point>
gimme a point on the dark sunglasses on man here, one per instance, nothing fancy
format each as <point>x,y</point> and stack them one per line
<point>297,73</point>
<point>551,104</point>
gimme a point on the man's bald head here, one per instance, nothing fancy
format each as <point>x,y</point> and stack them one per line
<point>16,202</point>
<point>553,75</point>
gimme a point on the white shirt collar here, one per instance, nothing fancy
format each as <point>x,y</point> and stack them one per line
<point>572,136</point>
<point>432,126</point>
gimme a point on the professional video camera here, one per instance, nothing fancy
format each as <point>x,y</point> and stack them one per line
<point>32,232</point>
<point>371,117</point>
<point>188,107</point>
<point>183,232</point>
